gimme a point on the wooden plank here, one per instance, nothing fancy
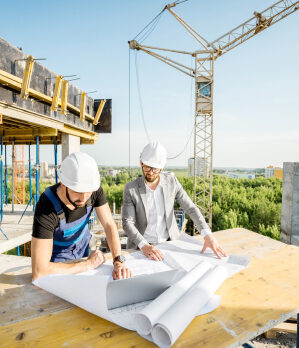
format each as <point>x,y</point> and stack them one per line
<point>35,131</point>
<point>99,112</point>
<point>14,123</point>
<point>283,327</point>
<point>270,334</point>
<point>27,139</point>
<point>40,96</point>
<point>56,94</point>
<point>87,141</point>
<point>27,77</point>
<point>31,141</point>
<point>80,133</point>
<point>77,111</point>
<point>245,242</point>
<point>40,120</point>
<point>82,106</point>
<point>20,300</point>
<point>252,302</point>
<point>286,327</point>
<point>14,242</point>
<point>29,117</point>
<point>7,79</point>
<point>15,82</point>
<point>73,327</point>
<point>64,96</point>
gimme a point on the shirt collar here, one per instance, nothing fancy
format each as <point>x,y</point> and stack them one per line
<point>148,189</point>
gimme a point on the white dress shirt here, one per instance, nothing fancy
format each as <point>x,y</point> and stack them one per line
<point>156,230</point>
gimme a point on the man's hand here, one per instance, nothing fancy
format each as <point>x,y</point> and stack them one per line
<point>95,259</point>
<point>152,252</point>
<point>211,242</point>
<point>120,271</point>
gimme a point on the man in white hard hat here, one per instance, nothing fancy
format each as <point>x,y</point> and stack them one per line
<point>60,228</point>
<point>148,210</point>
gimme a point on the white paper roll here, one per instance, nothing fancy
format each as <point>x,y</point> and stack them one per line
<point>145,319</point>
<point>172,323</point>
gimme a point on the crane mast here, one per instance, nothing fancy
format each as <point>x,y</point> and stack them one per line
<point>202,70</point>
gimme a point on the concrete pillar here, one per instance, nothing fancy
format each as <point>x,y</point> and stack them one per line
<point>290,204</point>
<point>70,144</point>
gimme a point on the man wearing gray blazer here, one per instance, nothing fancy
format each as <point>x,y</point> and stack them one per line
<point>148,210</point>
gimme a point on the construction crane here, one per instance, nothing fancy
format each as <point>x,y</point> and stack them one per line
<point>203,73</point>
<point>18,174</point>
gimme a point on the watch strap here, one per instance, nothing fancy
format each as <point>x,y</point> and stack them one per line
<point>119,258</point>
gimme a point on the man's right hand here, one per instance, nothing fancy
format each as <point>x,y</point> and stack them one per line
<point>152,252</point>
<point>95,259</point>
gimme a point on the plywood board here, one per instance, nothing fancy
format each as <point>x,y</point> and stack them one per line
<point>253,301</point>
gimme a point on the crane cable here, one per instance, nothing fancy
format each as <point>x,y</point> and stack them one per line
<point>146,31</point>
<point>150,30</point>
<point>184,148</point>
<point>142,113</point>
<point>192,129</point>
<point>143,35</point>
<point>140,99</point>
<point>129,110</point>
<point>154,23</point>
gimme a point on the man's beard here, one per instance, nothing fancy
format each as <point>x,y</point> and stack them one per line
<point>74,203</point>
<point>79,205</point>
<point>152,179</point>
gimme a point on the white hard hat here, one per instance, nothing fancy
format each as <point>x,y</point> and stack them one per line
<point>79,172</point>
<point>154,155</point>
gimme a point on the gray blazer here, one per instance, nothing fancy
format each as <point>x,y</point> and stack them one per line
<point>134,212</point>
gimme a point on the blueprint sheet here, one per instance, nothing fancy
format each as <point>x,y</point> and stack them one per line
<point>192,294</point>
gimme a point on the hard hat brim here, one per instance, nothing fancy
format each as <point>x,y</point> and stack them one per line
<point>153,164</point>
<point>78,187</point>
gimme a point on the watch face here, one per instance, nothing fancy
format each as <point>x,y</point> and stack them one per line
<point>122,258</point>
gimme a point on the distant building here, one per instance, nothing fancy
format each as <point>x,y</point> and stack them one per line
<point>44,170</point>
<point>51,170</point>
<point>113,172</point>
<point>47,170</point>
<point>271,171</point>
<point>278,173</point>
<point>201,166</point>
<point>240,175</point>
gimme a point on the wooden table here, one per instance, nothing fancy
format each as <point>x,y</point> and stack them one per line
<point>253,301</point>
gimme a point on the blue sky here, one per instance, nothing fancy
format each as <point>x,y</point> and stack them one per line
<point>256,103</point>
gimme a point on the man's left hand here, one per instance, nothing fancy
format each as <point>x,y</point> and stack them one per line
<point>211,242</point>
<point>120,271</point>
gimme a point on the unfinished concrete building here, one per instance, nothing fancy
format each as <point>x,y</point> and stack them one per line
<point>38,106</point>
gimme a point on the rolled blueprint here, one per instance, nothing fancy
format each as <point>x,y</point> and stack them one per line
<point>145,319</point>
<point>172,323</point>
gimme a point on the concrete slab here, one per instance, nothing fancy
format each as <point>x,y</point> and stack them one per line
<point>20,233</point>
<point>10,224</point>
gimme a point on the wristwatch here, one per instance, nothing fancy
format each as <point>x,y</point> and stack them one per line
<point>119,258</point>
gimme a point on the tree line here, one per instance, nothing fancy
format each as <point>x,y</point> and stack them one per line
<point>253,204</point>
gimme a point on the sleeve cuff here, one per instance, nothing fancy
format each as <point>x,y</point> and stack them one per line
<point>142,244</point>
<point>205,232</point>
